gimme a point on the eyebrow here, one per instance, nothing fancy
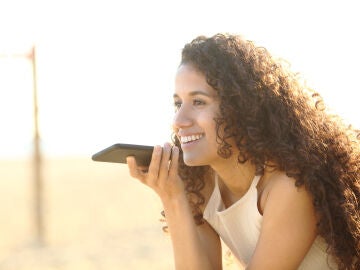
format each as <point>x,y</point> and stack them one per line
<point>195,93</point>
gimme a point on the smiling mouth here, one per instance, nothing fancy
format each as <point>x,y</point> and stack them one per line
<point>191,138</point>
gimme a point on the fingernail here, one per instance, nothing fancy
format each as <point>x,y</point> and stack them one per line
<point>157,149</point>
<point>167,146</point>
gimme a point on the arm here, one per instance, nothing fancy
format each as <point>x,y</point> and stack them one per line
<point>195,247</point>
<point>288,228</point>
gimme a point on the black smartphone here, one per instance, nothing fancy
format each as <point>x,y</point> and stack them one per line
<point>118,152</point>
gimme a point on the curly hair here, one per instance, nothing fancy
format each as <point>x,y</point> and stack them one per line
<point>274,116</point>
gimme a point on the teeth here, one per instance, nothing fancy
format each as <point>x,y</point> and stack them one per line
<point>191,138</point>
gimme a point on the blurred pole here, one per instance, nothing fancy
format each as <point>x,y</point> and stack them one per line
<point>37,161</point>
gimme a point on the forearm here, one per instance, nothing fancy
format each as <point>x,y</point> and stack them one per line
<point>189,252</point>
<point>195,247</point>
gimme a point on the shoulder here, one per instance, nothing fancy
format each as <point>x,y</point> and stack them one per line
<point>289,223</point>
<point>287,208</point>
<point>276,188</point>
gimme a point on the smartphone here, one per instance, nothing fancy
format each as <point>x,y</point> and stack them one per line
<point>118,152</point>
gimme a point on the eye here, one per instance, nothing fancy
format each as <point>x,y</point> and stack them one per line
<point>198,102</point>
<point>177,104</point>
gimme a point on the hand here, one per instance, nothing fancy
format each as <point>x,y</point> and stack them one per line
<point>161,175</point>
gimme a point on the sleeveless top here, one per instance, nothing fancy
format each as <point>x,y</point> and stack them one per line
<point>239,228</point>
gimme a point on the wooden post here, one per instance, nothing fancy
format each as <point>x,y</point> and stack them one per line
<point>37,162</point>
<point>37,156</point>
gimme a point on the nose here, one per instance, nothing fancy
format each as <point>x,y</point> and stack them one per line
<point>182,118</point>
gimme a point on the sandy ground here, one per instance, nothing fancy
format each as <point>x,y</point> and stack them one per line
<point>95,217</point>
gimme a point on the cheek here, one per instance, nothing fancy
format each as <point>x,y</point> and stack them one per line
<point>210,130</point>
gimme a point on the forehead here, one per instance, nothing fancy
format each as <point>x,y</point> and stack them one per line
<point>189,80</point>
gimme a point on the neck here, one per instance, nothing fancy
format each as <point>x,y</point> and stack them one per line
<point>237,177</point>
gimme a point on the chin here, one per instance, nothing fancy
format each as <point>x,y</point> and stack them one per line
<point>192,161</point>
<point>190,164</point>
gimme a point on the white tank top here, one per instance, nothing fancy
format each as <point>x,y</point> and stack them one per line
<point>239,228</point>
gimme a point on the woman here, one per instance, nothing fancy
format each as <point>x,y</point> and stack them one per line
<point>258,162</point>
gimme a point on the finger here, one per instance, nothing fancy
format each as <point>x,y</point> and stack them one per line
<point>165,158</point>
<point>173,169</point>
<point>134,170</point>
<point>153,172</point>
<point>130,160</point>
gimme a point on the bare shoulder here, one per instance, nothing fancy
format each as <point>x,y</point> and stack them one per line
<point>289,224</point>
<point>287,201</point>
<point>277,187</point>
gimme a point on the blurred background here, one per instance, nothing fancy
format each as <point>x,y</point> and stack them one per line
<point>78,76</point>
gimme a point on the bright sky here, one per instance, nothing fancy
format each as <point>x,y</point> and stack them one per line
<point>105,68</point>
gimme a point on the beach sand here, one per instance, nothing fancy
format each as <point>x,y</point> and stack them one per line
<point>95,217</point>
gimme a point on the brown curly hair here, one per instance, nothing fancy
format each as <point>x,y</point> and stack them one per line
<point>273,116</point>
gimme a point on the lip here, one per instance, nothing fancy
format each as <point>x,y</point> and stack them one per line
<point>186,145</point>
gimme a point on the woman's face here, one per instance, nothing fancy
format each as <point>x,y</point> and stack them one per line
<point>196,106</point>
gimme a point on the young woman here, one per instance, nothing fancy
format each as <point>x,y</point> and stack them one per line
<point>258,162</point>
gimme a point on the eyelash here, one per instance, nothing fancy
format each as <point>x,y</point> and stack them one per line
<point>177,105</point>
<point>196,102</point>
